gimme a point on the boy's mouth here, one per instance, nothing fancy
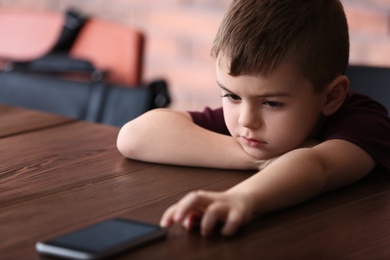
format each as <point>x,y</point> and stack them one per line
<point>253,142</point>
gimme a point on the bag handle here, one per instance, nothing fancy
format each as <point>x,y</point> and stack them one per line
<point>74,22</point>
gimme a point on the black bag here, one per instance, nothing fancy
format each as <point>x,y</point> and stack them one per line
<point>40,85</point>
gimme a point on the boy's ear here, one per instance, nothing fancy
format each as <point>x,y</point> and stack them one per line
<point>335,94</point>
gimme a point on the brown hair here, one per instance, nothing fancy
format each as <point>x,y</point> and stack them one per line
<point>255,35</point>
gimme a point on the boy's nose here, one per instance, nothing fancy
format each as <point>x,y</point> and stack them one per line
<point>250,118</point>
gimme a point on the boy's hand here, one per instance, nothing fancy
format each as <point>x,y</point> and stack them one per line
<point>209,209</point>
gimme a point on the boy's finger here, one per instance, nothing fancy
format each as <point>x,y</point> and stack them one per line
<point>191,221</point>
<point>211,217</point>
<point>194,201</point>
<point>233,221</point>
<point>167,218</point>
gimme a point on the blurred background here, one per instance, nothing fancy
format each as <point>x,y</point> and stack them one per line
<point>179,35</point>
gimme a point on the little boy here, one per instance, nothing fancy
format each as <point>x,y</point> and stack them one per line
<point>286,111</point>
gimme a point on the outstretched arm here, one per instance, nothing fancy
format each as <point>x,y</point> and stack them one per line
<point>170,137</point>
<point>293,178</point>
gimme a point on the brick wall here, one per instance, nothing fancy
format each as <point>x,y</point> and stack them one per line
<point>180,33</point>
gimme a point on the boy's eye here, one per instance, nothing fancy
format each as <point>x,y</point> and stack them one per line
<point>232,97</point>
<point>272,104</point>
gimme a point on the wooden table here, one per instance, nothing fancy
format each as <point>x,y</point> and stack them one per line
<point>58,174</point>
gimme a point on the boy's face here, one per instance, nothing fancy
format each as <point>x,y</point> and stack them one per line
<point>269,115</point>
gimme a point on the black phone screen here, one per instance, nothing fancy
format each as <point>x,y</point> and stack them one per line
<point>107,236</point>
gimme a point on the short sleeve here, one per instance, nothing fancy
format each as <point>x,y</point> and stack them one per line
<point>211,119</point>
<point>364,122</point>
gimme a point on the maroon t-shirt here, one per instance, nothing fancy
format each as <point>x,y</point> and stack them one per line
<point>360,120</point>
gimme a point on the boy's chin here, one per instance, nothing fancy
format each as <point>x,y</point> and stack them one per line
<point>258,155</point>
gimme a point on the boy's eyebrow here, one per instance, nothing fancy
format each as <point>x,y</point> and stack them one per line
<point>222,87</point>
<point>270,94</point>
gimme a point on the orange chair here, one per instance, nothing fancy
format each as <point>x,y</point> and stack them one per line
<point>118,49</point>
<point>27,35</point>
<point>112,47</point>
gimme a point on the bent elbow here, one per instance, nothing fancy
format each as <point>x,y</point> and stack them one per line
<point>126,142</point>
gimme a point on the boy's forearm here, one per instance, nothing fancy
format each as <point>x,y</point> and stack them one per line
<point>280,185</point>
<point>169,137</point>
<point>304,173</point>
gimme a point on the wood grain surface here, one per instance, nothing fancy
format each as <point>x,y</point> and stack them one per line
<point>62,175</point>
<point>15,120</point>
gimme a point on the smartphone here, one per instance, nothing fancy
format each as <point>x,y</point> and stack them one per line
<point>101,240</point>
